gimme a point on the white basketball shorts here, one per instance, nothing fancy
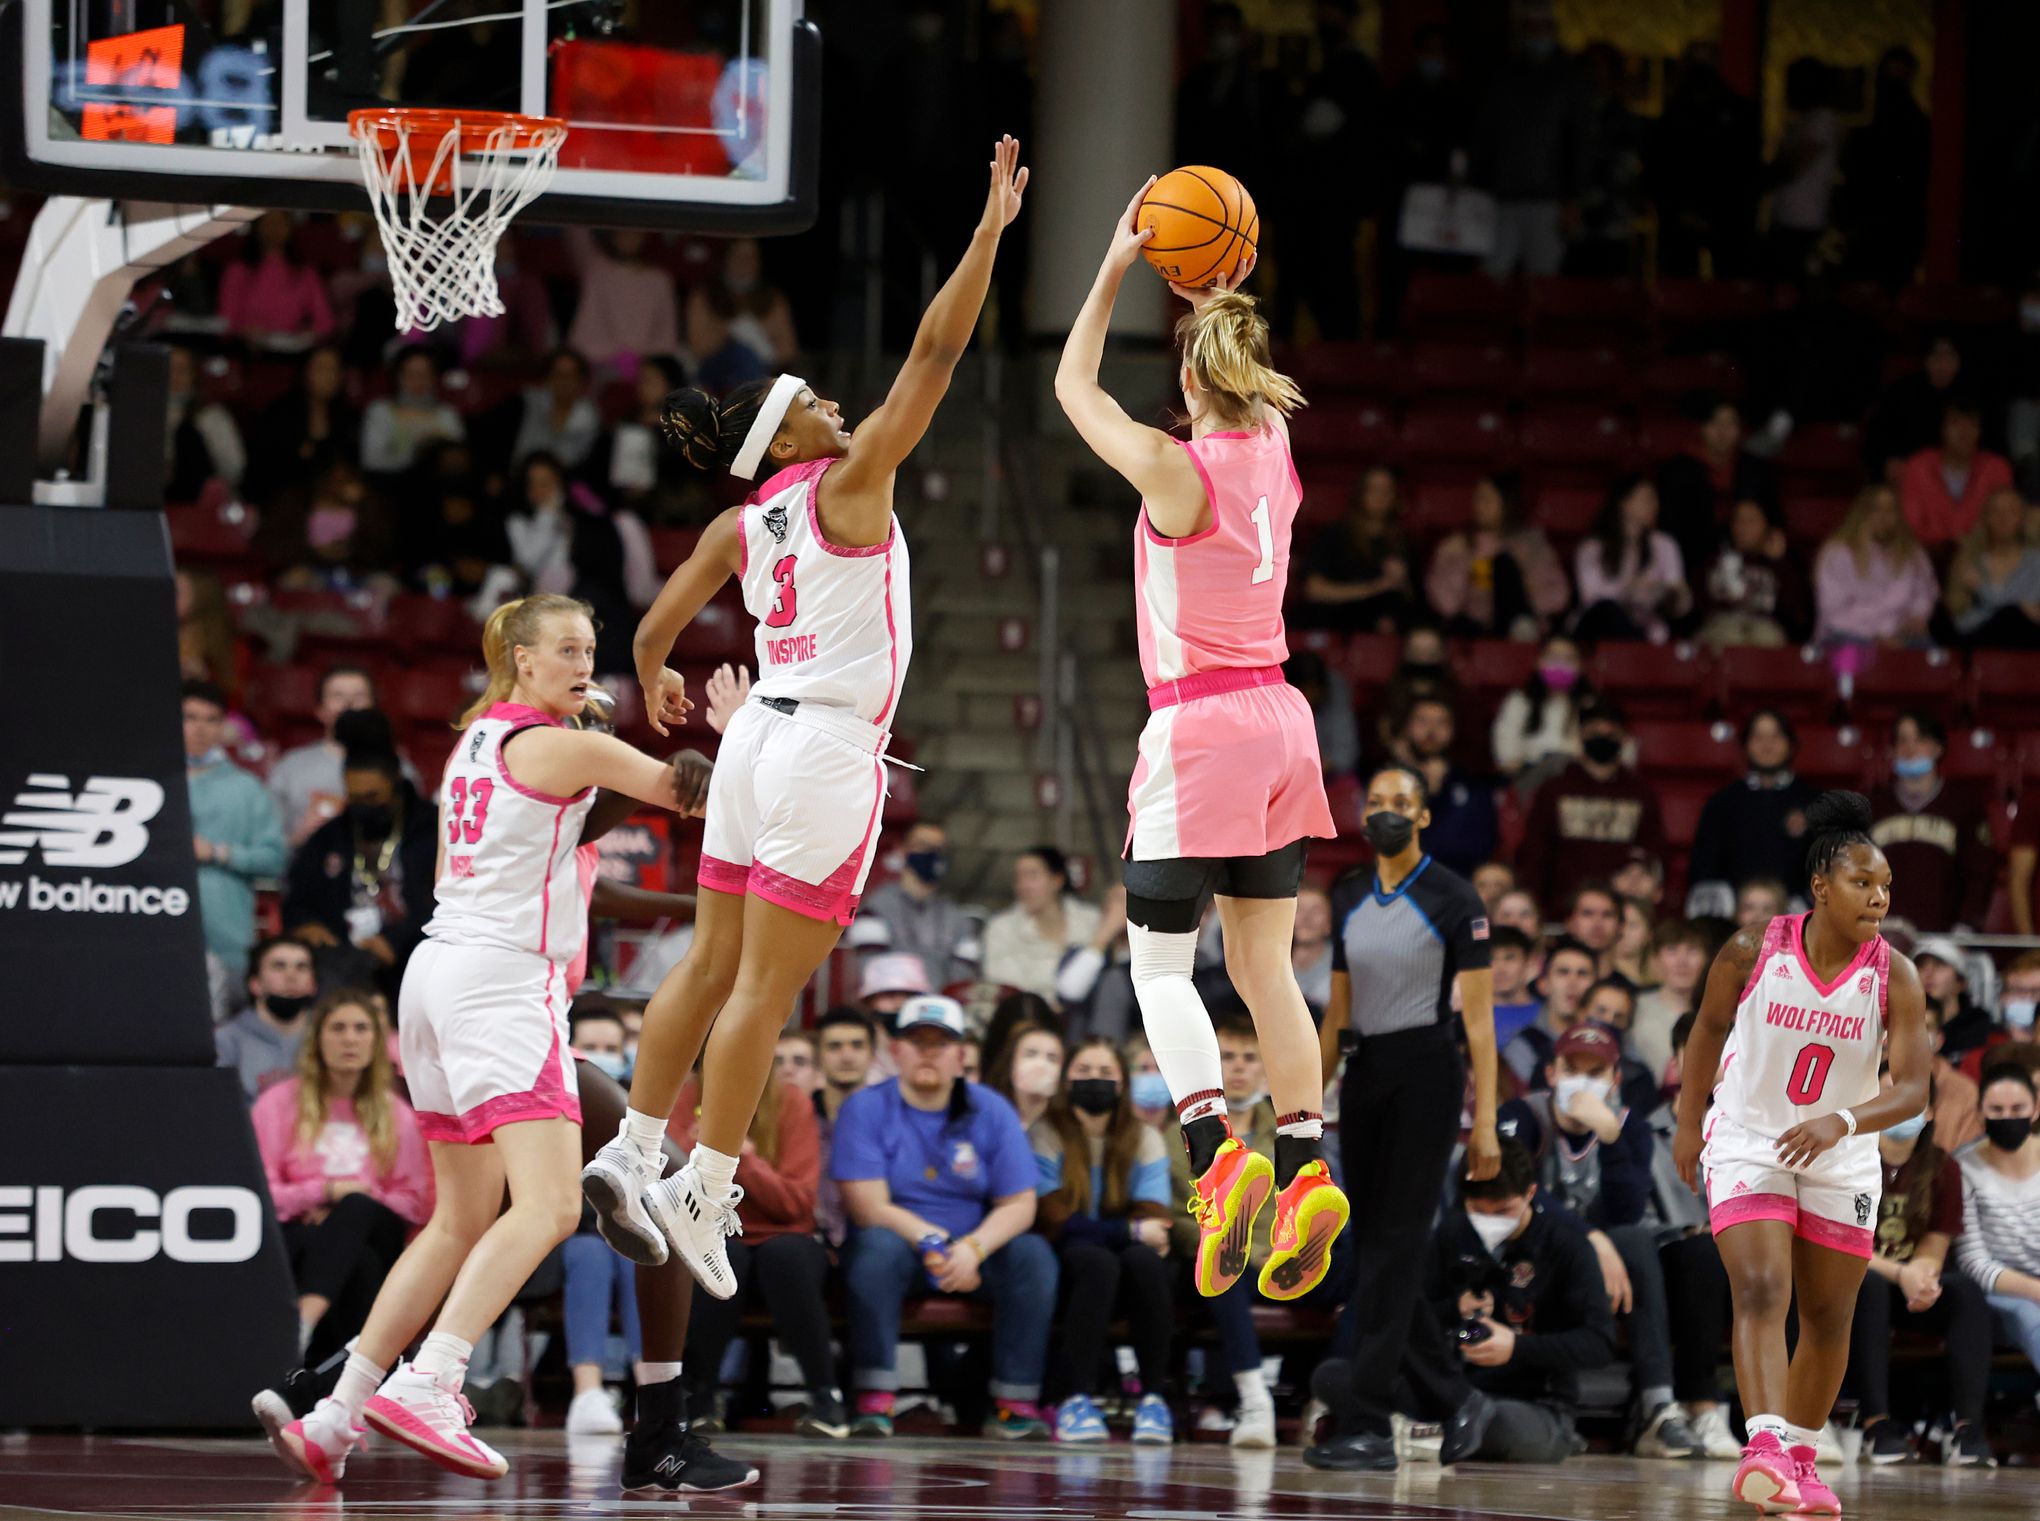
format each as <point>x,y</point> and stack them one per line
<point>1832,1202</point>
<point>483,1034</point>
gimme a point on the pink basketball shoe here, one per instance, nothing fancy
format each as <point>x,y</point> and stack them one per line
<point>1767,1477</point>
<point>1815,1498</point>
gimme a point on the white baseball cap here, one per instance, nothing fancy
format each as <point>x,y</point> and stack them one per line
<point>895,972</point>
<point>933,1010</point>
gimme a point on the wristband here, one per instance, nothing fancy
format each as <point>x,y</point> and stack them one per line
<point>1848,1118</point>
<point>975,1245</point>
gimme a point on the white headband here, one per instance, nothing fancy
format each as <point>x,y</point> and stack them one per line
<point>770,413</point>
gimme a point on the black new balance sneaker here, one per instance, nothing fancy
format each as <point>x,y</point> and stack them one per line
<point>662,1457</point>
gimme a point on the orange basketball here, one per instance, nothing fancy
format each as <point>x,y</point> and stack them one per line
<point>1205,225</point>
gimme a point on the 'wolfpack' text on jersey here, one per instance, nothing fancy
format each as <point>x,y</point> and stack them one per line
<point>509,878</point>
<point>1801,1047</point>
<point>835,625</point>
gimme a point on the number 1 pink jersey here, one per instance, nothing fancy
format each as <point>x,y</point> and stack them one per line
<point>509,879</point>
<point>1802,1048</point>
<point>1213,601</point>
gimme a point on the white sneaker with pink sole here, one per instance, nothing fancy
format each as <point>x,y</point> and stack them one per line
<point>429,1414</point>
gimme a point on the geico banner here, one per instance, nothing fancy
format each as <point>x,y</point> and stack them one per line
<point>99,918</point>
<point>143,1281</point>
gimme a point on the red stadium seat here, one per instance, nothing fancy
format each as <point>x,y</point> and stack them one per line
<point>1978,755</point>
<point>217,536</point>
<point>1811,520</point>
<point>670,546</point>
<point>425,699</point>
<point>1681,803</point>
<point>1889,681</point>
<point>1454,443</point>
<point>1567,512</point>
<point>1788,680</point>
<point>1438,369</point>
<point>1590,312</point>
<point>1920,308</point>
<point>1822,459</point>
<point>2003,684</point>
<point>1676,377</point>
<point>1493,666</point>
<point>2026,750</point>
<point>1438,508</point>
<point>1840,757</point>
<point>1370,659</point>
<point>1461,306</point>
<point>720,631</point>
<point>1348,800</point>
<point>1337,429</point>
<point>1661,438</point>
<point>1571,448</point>
<point>423,626</point>
<point>1686,748</point>
<point>1661,679</point>
<point>1598,372</point>
<point>1328,368</point>
<point>1702,306</point>
<point>285,691</point>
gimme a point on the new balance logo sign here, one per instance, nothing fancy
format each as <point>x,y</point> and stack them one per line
<point>105,824</point>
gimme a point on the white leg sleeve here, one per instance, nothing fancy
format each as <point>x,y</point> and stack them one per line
<point>1179,1029</point>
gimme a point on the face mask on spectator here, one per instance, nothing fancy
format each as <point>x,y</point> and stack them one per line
<point>1571,1086</point>
<point>1094,1095</point>
<point>1559,678</point>
<point>372,818</point>
<point>327,526</point>
<point>1389,833</point>
<point>2019,1012</point>
<point>1602,749</point>
<point>1912,767</point>
<point>2008,1133</point>
<point>1151,1091</point>
<point>928,865</point>
<point>1493,1230</point>
<point>611,1063</point>
<point>1035,1076</point>
<point>1906,1130</point>
<point>285,1006</point>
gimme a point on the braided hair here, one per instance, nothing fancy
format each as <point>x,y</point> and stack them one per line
<point>708,432</point>
<point>1834,822</point>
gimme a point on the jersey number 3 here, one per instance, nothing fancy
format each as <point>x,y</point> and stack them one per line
<point>459,794</point>
<point>1809,1074</point>
<point>785,607</point>
<point>1265,571</point>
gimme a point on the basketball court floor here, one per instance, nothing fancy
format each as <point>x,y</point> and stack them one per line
<point>931,1480</point>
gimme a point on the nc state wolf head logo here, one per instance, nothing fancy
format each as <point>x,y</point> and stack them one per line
<point>775,522</point>
<point>104,825</point>
<point>1863,1203</point>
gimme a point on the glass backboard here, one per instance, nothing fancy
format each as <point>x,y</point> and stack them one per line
<point>695,114</point>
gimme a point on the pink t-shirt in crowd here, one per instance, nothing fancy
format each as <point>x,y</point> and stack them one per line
<point>298,1174</point>
<point>275,296</point>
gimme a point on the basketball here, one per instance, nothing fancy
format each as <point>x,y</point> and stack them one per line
<point>1204,222</point>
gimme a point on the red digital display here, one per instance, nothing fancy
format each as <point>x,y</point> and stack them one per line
<point>151,60</point>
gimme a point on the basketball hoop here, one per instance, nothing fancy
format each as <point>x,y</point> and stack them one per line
<point>483,167</point>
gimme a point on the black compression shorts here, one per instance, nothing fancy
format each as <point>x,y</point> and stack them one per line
<point>1169,897</point>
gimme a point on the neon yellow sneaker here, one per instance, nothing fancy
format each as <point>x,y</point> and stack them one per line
<point>1224,1203</point>
<point>1309,1214</point>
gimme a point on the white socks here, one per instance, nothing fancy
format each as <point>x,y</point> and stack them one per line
<point>717,1171</point>
<point>1310,1128</point>
<point>657,1373</point>
<point>358,1380</point>
<point>443,1352</point>
<point>1179,1028</point>
<point>648,1133</point>
<point>1799,1436</point>
<point>1253,1388</point>
<point>1775,1424</point>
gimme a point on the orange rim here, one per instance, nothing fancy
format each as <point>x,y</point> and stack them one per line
<point>418,132</point>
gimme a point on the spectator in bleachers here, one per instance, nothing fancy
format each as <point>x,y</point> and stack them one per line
<point>260,1043</point>
<point>1681,950</point>
<point>206,648</point>
<point>1584,822</point>
<point>1943,487</point>
<point>1994,582</point>
<point>309,428</point>
<point>1424,672</point>
<point>885,983</point>
<point>1935,832</point>
<point>1593,1153</point>
<point>1463,831</point>
<point>360,888</point>
<point>627,307</point>
<point>1761,900</point>
<point>1518,906</point>
<point>1516,1006</point>
<point>1225,86</point>
<point>1963,1023</point>
<point>201,440</point>
<point>1562,991</point>
<point>1757,591</point>
<point>1106,1203</point>
<point>1633,962</point>
<point>1699,488</point>
<point>1146,1086</point>
<point>794,1062</point>
<point>331,534</point>
<point>1753,827</point>
<point>912,913</point>
<point>1025,944</point>
<point>396,427</point>
<point>1095,981</point>
<point>1956,1105</point>
<point>1357,570</point>
<point>1641,877</point>
<point>451,536</point>
<point>1872,582</point>
<point>2000,1242</point>
<point>1430,116</point>
<point>597,1282</point>
<point>346,1167</point>
<point>1531,147</point>
<point>1026,1068</point>
<point>845,1043</point>
<point>1501,578</point>
<point>237,837</point>
<point>1310,946</point>
<point>564,538</point>
<point>639,471</point>
<point>1630,575</point>
<point>778,1256</point>
<point>739,327</point>
<point>1491,879</point>
<point>1705,169</point>
<point>558,417</point>
<point>1912,1286</point>
<point>1327,176</point>
<point>271,298</point>
<point>305,781</point>
<point>2022,857</point>
<point>1536,729</point>
<point>1804,169</point>
<point>2019,996</point>
<point>939,1183</point>
<point>1885,163</point>
<point>1906,417</point>
<point>1593,917</point>
<point>1331,711</point>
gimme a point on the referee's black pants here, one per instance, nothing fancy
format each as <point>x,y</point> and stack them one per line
<point>1398,1122</point>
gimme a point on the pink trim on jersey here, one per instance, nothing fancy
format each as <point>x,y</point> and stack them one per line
<point>1210,498</point>
<point>545,894</point>
<point>1849,1240</point>
<point>521,713</point>
<point>845,551</point>
<point>1211,683</point>
<point>587,867</point>
<point>1828,989</point>
<point>1289,458</point>
<point>1743,1208</point>
<point>807,469</point>
<point>892,646</point>
<point>538,720</point>
<point>718,875</point>
<point>743,549</point>
<point>1777,937</point>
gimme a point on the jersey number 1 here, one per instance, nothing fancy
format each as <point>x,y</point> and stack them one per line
<point>784,607</point>
<point>1809,1074</point>
<point>459,793</point>
<point>1265,571</point>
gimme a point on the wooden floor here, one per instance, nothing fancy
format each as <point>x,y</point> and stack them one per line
<point>940,1480</point>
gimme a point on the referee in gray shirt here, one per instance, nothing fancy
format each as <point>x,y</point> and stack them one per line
<point>1404,941</point>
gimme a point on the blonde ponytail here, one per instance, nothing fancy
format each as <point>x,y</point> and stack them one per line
<point>1225,343</point>
<point>510,625</point>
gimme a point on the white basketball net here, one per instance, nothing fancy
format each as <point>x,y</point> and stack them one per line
<point>442,248</point>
